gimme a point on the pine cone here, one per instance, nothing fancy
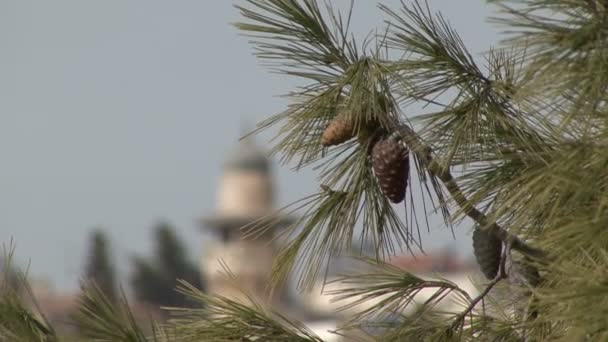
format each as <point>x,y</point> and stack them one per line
<point>338,131</point>
<point>487,248</point>
<point>391,164</point>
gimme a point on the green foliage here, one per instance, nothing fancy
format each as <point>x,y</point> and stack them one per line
<point>99,319</point>
<point>392,288</point>
<point>225,319</point>
<point>19,320</point>
<point>566,52</point>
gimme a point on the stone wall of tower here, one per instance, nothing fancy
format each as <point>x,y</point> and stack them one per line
<point>249,261</point>
<point>245,194</point>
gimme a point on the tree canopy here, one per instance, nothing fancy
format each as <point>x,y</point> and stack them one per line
<point>99,268</point>
<point>154,280</point>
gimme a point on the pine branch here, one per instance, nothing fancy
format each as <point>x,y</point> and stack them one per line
<point>424,153</point>
<point>225,319</point>
<point>299,38</point>
<point>566,44</point>
<point>20,320</point>
<point>391,290</point>
<point>101,320</point>
<point>437,59</point>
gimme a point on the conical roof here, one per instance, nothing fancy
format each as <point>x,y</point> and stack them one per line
<point>248,156</point>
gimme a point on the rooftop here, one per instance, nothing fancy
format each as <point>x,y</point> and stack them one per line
<point>248,156</point>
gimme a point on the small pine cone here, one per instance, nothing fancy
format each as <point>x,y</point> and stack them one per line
<point>338,131</point>
<point>391,164</point>
<point>487,248</point>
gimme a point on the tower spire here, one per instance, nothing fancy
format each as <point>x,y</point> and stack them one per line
<point>245,195</point>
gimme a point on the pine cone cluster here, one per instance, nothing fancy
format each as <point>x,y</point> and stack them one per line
<point>338,131</point>
<point>487,248</point>
<point>390,161</point>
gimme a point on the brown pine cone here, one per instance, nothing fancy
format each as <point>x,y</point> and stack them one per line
<point>338,131</point>
<point>391,164</point>
<point>487,248</point>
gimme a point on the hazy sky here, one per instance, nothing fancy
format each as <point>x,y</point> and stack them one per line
<point>119,113</point>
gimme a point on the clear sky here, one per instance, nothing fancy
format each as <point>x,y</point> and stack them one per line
<point>119,113</point>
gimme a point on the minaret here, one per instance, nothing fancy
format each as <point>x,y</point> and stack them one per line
<point>245,194</point>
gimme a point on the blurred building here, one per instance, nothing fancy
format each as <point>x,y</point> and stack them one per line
<point>246,194</point>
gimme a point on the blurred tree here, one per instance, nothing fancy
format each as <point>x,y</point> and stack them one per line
<point>154,281</point>
<point>99,267</point>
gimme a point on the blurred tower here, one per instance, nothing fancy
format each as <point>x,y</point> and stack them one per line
<point>245,194</point>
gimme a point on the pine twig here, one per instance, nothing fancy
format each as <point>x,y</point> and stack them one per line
<point>424,154</point>
<point>502,274</point>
